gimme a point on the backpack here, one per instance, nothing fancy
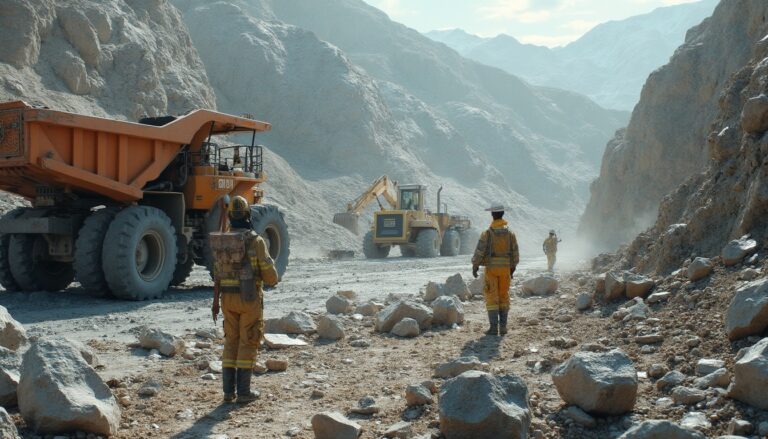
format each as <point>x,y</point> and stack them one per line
<point>231,261</point>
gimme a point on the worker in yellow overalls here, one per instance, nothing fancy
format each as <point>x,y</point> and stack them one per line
<point>497,250</point>
<point>242,265</point>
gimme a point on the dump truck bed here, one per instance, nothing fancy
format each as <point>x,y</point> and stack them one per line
<point>92,155</point>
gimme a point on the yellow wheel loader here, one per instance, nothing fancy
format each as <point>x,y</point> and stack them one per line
<point>408,224</point>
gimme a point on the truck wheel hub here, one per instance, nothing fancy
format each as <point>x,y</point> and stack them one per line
<point>150,255</point>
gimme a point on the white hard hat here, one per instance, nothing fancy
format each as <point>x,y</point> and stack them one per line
<point>495,207</point>
<point>552,232</point>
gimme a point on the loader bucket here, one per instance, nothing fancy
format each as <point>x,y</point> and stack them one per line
<point>348,221</point>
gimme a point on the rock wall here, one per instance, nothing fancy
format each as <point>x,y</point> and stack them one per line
<point>730,197</point>
<point>666,140</point>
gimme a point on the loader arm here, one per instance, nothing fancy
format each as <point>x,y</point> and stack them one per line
<point>383,186</point>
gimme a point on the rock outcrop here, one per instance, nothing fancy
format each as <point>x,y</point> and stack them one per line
<point>748,311</point>
<point>12,333</point>
<point>750,375</point>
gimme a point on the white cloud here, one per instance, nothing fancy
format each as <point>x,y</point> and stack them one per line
<point>395,8</point>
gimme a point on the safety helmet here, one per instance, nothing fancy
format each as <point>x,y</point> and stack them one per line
<point>552,232</point>
<point>238,209</point>
<point>495,207</point>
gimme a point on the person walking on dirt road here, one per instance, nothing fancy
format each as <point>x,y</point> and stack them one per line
<point>496,250</point>
<point>550,249</point>
<point>242,266</point>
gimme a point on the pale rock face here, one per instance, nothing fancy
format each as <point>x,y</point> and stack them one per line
<point>750,375</point>
<point>748,311</point>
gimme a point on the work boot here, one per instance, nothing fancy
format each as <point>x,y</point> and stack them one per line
<point>493,319</point>
<point>228,379</point>
<point>244,394</point>
<point>503,322</point>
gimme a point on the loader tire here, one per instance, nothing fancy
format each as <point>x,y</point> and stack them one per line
<point>6,277</point>
<point>139,255</point>
<point>451,243</point>
<point>407,252</point>
<point>183,270</point>
<point>270,224</point>
<point>372,250</point>
<point>88,249</point>
<point>27,256</point>
<point>469,240</point>
<point>428,243</point>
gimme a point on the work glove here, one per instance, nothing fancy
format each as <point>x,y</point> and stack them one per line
<point>474,271</point>
<point>215,310</point>
<point>512,272</point>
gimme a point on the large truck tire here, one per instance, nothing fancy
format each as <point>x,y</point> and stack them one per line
<point>407,252</point>
<point>183,269</point>
<point>6,277</point>
<point>139,255</point>
<point>469,240</point>
<point>270,224</point>
<point>372,250</point>
<point>451,243</point>
<point>88,249</point>
<point>428,243</point>
<point>27,256</point>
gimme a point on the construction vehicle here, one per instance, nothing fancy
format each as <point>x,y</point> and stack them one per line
<point>124,208</point>
<point>407,223</point>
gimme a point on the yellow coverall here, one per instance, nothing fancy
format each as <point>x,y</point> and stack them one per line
<point>497,250</point>
<point>244,320</point>
<point>550,249</point>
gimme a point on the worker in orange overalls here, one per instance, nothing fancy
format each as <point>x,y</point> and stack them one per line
<point>242,265</point>
<point>497,250</point>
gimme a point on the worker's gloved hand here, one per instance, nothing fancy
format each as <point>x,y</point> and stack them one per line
<point>512,272</point>
<point>474,271</point>
<point>215,310</point>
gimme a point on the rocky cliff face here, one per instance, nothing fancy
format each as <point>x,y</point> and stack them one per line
<point>666,140</point>
<point>728,197</point>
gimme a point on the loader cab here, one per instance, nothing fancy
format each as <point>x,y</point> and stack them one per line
<point>411,197</point>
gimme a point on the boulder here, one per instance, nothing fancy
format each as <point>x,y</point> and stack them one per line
<point>432,292</point>
<point>719,378</point>
<point>735,251</point>
<point>400,430</point>
<point>369,308</point>
<point>10,366</point>
<point>167,344</point>
<point>598,383</point>
<point>660,430</point>
<point>331,425</point>
<point>387,318</point>
<point>687,395</point>
<point>407,327</point>
<point>417,394</point>
<point>638,285</point>
<point>58,391</point>
<point>7,427</point>
<point>750,375</point>
<point>447,311</point>
<point>540,286</point>
<point>477,286</point>
<point>695,421</point>
<point>455,286</point>
<point>754,115</point>
<point>699,269</point>
<point>670,379</point>
<point>614,285</point>
<point>295,322</point>
<point>579,416</point>
<point>748,311</point>
<point>583,301</point>
<point>600,285</point>
<point>339,305</point>
<point>458,366</point>
<point>636,310</point>
<point>12,334</point>
<point>348,294</point>
<point>330,328</point>
<point>478,405</point>
<point>706,366</point>
<point>658,297</point>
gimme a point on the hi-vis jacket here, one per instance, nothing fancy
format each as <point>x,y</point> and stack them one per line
<point>497,247</point>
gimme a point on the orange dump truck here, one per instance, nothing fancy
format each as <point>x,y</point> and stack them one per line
<point>124,208</point>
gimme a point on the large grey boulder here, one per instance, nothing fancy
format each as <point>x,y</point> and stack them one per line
<point>458,366</point>
<point>614,286</point>
<point>369,308</point>
<point>735,251</point>
<point>583,301</point>
<point>12,334</point>
<point>447,311</point>
<point>406,328</point>
<point>331,425</point>
<point>339,304</point>
<point>699,269</point>
<point>455,286</point>
<point>168,344</point>
<point>540,286</point>
<point>388,317</point>
<point>638,285</point>
<point>10,366</point>
<point>7,427</point>
<point>477,405</point>
<point>750,375</point>
<point>330,328</point>
<point>295,322</point>
<point>599,383</point>
<point>748,311</point>
<point>58,391</point>
<point>660,430</point>
<point>754,115</point>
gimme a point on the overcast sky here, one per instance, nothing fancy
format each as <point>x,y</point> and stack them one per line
<point>543,22</point>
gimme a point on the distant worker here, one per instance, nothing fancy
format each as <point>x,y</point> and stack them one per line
<point>242,266</point>
<point>496,250</point>
<point>550,249</point>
